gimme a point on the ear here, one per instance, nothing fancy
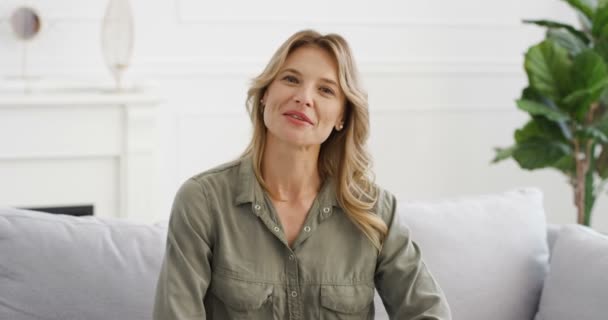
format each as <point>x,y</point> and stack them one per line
<point>340,122</point>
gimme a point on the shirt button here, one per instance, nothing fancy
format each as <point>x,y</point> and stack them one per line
<point>276,229</point>
<point>257,207</point>
<point>294,294</point>
<point>326,210</point>
<point>291,257</point>
<point>307,229</point>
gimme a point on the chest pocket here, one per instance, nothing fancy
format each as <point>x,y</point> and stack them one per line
<point>241,299</point>
<point>347,302</point>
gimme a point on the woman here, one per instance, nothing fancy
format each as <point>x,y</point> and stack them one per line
<point>295,228</point>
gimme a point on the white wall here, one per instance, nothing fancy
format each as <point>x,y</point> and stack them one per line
<point>442,77</point>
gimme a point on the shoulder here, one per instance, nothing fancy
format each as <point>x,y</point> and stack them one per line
<point>192,203</point>
<point>203,183</point>
<point>386,204</point>
<point>222,172</point>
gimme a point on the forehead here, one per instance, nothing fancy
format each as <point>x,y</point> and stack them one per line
<point>313,61</point>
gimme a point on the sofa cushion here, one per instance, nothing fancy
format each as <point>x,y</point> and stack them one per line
<point>64,267</point>
<point>489,253</point>
<point>577,284</point>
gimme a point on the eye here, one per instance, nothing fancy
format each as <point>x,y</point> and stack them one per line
<point>327,90</point>
<point>290,79</point>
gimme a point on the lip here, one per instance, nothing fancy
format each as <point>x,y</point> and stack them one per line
<point>299,114</point>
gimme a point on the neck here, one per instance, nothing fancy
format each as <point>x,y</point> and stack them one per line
<point>290,172</point>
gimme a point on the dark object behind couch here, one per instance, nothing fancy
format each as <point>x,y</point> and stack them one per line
<point>87,210</point>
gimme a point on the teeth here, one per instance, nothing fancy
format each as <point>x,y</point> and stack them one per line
<point>296,117</point>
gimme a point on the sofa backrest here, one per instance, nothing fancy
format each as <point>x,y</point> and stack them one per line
<point>489,253</point>
<point>63,267</point>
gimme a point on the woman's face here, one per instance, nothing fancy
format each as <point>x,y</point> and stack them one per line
<point>304,102</point>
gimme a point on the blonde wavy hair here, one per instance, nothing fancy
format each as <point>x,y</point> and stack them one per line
<point>343,155</point>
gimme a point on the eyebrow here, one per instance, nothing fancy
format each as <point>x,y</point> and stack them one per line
<point>300,74</point>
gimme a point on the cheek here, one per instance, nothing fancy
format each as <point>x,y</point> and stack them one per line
<point>331,114</point>
<point>266,116</point>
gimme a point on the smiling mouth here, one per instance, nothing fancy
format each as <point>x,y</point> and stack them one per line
<point>298,117</point>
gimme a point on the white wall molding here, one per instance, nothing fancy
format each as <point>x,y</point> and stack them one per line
<point>359,23</point>
<point>242,68</point>
<point>193,66</point>
<point>459,21</point>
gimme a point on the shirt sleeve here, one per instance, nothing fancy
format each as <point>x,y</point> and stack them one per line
<point>406,286</point>
<point>186,268</point>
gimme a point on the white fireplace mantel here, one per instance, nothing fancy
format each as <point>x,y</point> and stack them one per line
<point>74,147</point>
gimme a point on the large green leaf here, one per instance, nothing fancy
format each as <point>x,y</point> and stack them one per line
<point>539,128</point>
<point>590,79</point>
<point>567,40</point>
<point>536,108</point>
<point>580,103</point>
<point>548,68</point>
<point>589,70</point>
<point>586,7</point>
<point>530,94</point>
<point>566,164</point>
<point>601,47</point>
<point>554,25</point>
<point>540,153</point>
<point>600,22</point>
<point>503,153</point>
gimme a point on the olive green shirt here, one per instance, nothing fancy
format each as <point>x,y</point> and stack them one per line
<point>227,258</point>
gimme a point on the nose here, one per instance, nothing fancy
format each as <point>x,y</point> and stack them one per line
<point>303,96</point>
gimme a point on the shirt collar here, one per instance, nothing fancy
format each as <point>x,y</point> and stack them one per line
<point>246,183</point>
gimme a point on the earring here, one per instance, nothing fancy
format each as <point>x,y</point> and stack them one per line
<point>340,127</point>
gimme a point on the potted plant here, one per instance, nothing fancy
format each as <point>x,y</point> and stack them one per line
<point>567,100</point>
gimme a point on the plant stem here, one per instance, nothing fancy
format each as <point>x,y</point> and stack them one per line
<point>584,194</point>
<point>579,187</point>
<point>589,192</point>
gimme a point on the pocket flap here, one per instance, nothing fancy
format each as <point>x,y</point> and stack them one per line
<point>347,299</point>
<point>240,295</point>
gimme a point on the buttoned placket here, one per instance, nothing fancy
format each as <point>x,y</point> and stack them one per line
<point>294,300</point>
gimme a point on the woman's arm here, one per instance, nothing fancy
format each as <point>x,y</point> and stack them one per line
<point>407,288</point>
<point>186,269</point>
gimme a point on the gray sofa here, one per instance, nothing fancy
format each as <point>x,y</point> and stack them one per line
<point>490,253</point>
